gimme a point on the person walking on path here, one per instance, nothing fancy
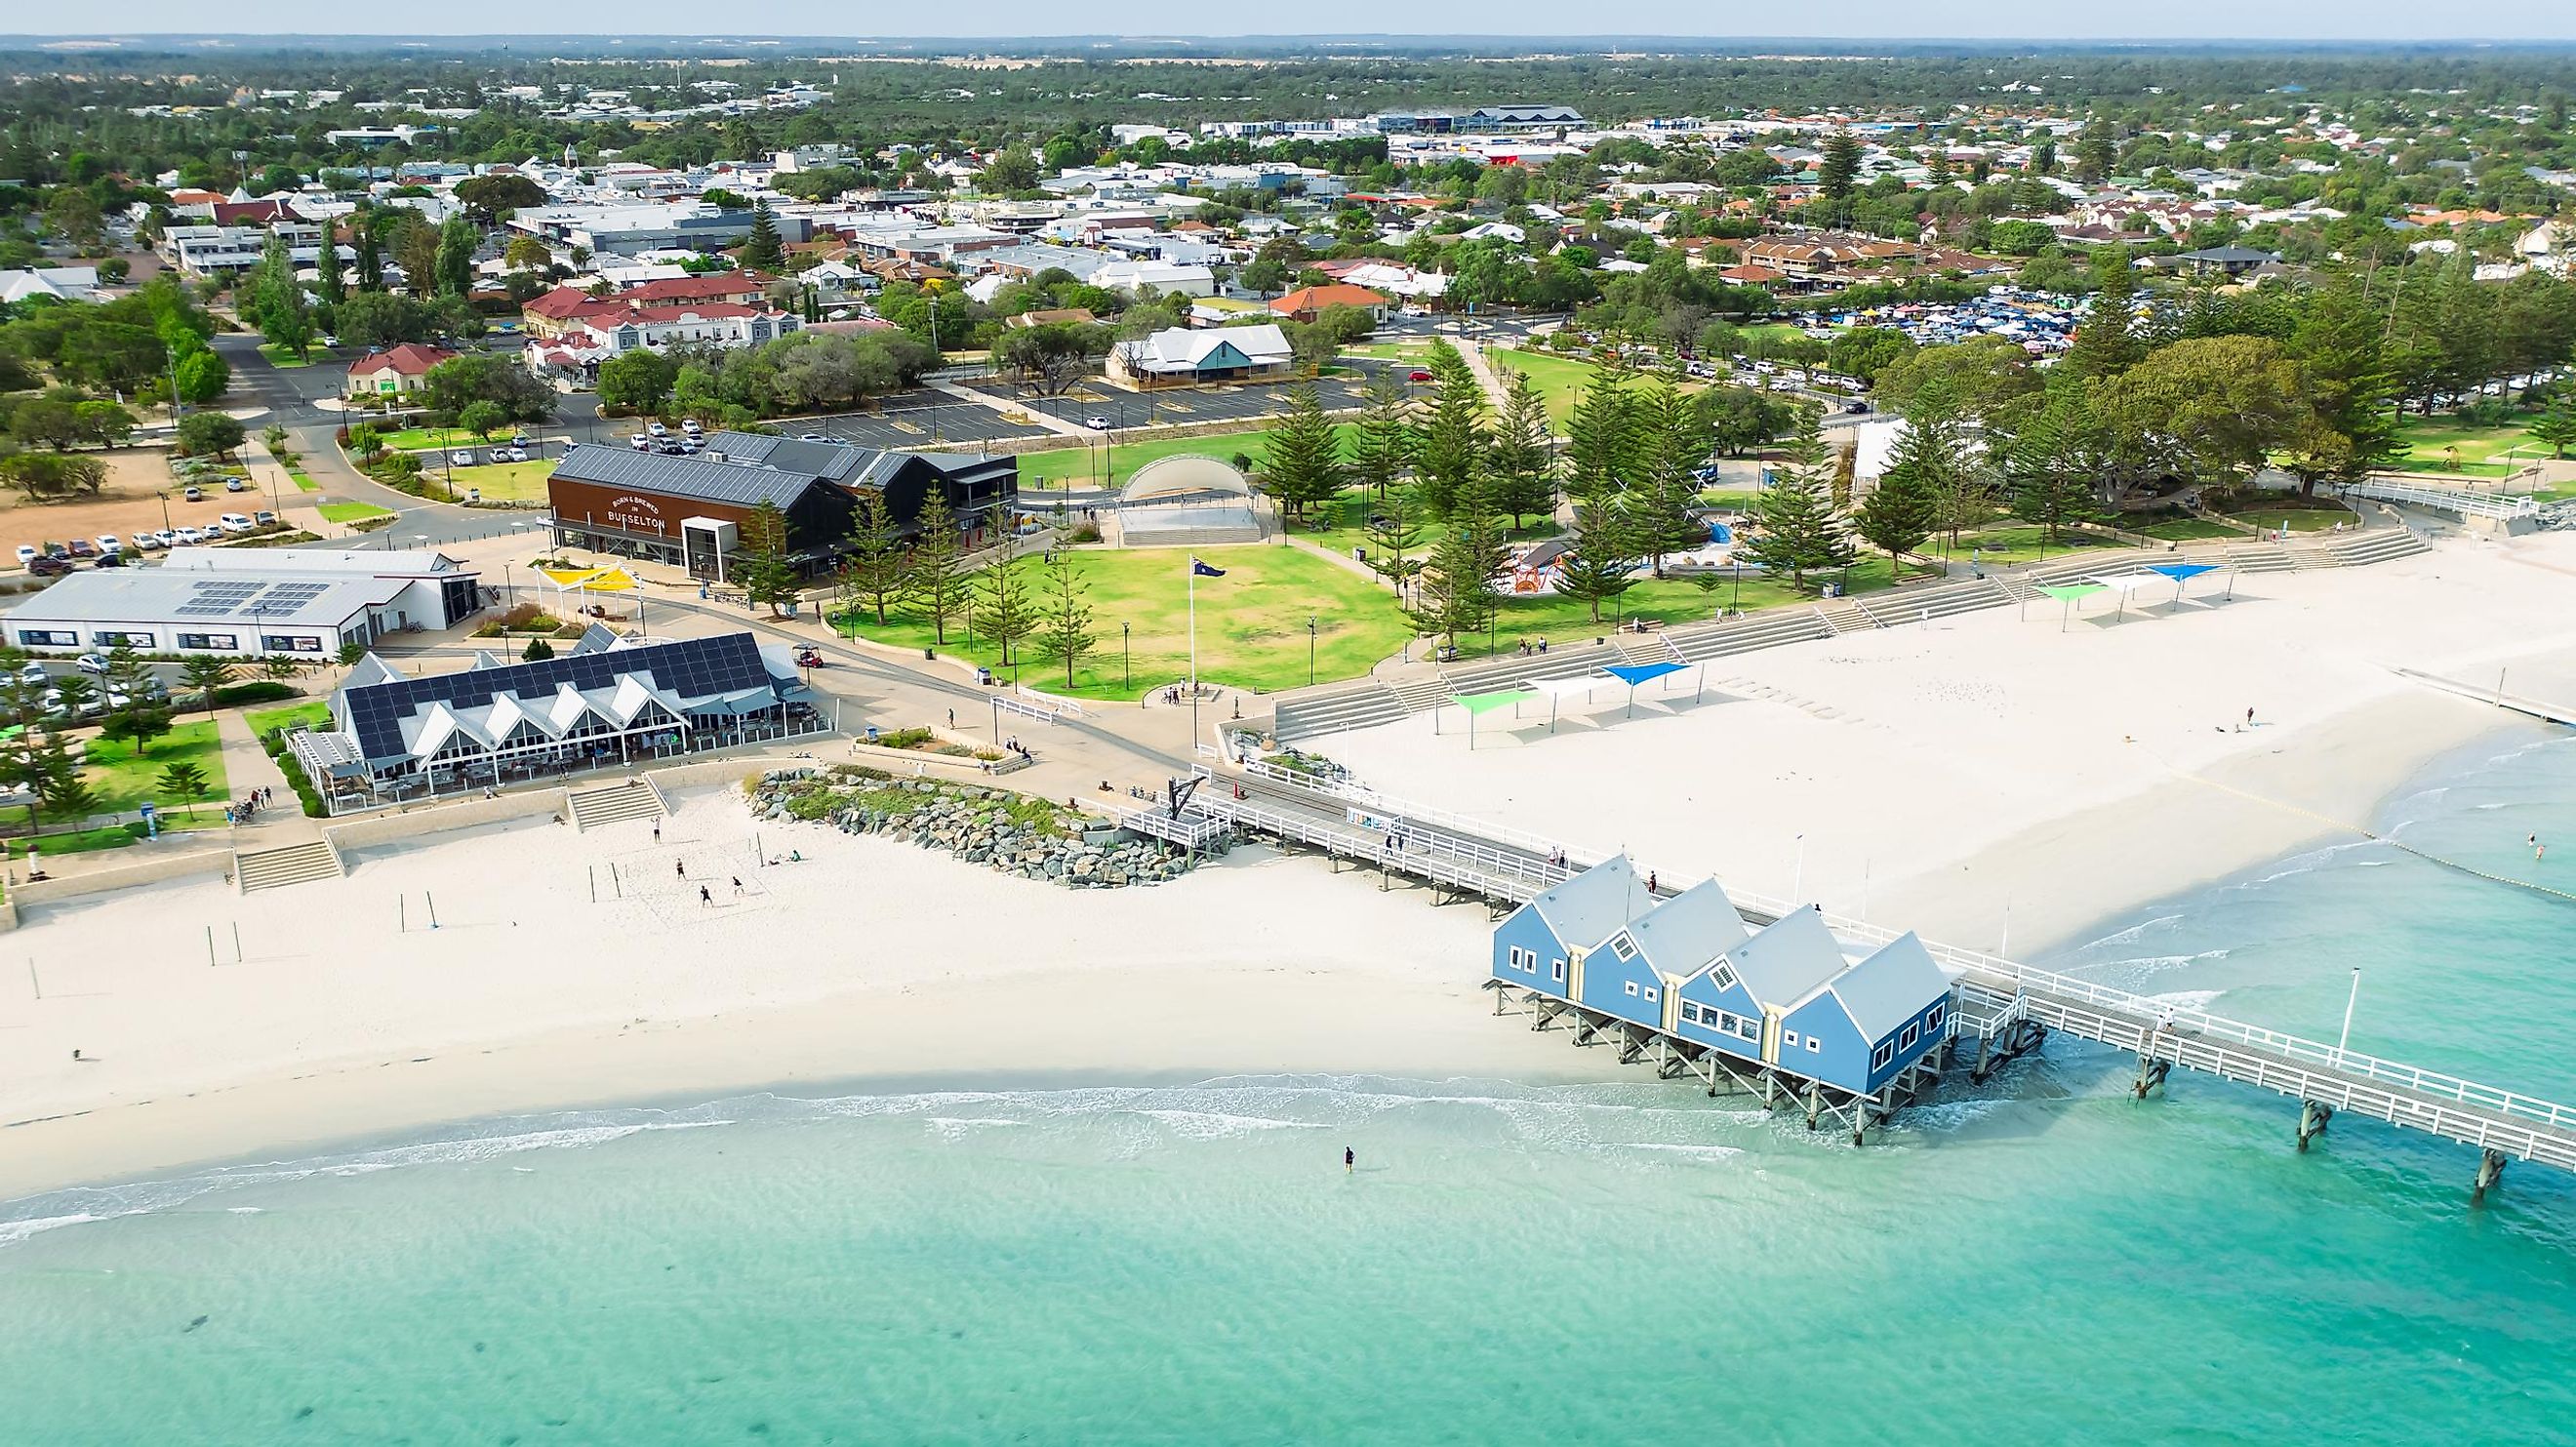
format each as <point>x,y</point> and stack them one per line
<point>737,886</point>
<point>705,900</point>
<point>1350,1161</point>
<point>682,866</point>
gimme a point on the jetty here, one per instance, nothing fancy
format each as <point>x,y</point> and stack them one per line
<point>2000,1009</point>
<point>2561,714</point>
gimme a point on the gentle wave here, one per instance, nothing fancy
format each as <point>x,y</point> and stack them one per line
<point>2130,935</point>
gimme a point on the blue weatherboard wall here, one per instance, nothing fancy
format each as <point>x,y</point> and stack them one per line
<point>1528,931</point>
<point>1703,990</point>
<point>1842,1060</point>
<point>1607,980</point>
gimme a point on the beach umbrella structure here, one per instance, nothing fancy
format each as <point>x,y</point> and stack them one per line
<point>1633,674</point>
<point>2069,594</point>
<point>2124,584</point>
<point>1478,704</point>
<point>2182,573</point>
<point>1557,689</point>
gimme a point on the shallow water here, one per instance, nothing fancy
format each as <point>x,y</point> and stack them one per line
<point>2047,1260</point>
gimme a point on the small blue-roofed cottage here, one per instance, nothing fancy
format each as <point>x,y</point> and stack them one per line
<point>1541,945</point>
<point>1676,943</point>
<point>1860,1029</point>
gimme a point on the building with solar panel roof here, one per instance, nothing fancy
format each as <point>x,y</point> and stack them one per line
<point>606,702</point>
<point>290,602</point>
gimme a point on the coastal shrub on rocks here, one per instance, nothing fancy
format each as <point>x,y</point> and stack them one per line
<point>1017,834</point>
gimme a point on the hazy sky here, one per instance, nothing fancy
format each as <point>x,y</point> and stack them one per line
<point>2166,19</point>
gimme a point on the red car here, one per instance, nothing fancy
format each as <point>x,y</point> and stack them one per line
<point>1417,375</point>
<point>809,658</point>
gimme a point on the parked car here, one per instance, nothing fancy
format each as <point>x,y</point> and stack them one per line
<point>263,519</point>
<point>657,429</point>
<point>233,522</point>
<point>1417,375</point>
<point>26,554</point>
<point>521,440</point>
<point>809,658</point>
<point>82,548</point>
<point>50,566</point>
<point>500,454</point>
<point>90,663</point>
<point>640,442</point>
<point>235,484</point>
<point>462,457</point>
<point>188,535</point>
<point>110,543</point>
<point>165,538</point>
<point>194,494</point>
<point>1098,424</point>
<point>32,671</point>
<point>690,426</point>
<point>110,560</point>
<point>812,437</point>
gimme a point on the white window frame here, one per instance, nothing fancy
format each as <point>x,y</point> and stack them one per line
<point>1883,1056</point>
<point>1932,1021</point>
<point>1650,994</point>
<point>1746,1029</point>
<point>1906,1040</point>
<point>1622,946</point>
<point>1632,987</point>
<point>1788,1039</point>
<point>1723,976</point>
<point>1556,971</point>
<point>1815,1046</point>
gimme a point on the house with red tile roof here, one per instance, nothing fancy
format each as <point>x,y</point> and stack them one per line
<point>393,372</point>
<point>1307,303</point>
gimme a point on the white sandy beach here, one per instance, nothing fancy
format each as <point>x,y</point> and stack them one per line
<point>1953,772</point>
<point>1943,777</point>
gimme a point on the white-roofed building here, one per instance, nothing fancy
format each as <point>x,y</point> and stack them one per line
<point>281,602</point>
<point>1180,355</point>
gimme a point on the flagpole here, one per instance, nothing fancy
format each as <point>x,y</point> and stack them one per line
<point>1194,651</point>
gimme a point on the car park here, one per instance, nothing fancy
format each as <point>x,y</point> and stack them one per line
<point>194,494</point>
<point>189,535</point>
<point>657,429</point>
<point>110,543</point>
<point>90,663</point>
<point>82,548</point>
<point>50,566</point>
<point>1097,424</point>
<point>165,538</point>
<point>263,519</point>
<point>235,484</point>
<point>233,522</point>
<point>461,457</point>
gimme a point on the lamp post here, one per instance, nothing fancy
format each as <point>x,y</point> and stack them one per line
<point>1798,875</point>
<point>2349,1001</point>
<point>1126,672</point>
<point>1310,650</point>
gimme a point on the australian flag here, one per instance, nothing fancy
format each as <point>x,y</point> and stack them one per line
<point>1202,570</point>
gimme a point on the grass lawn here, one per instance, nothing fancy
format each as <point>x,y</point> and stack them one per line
<point>1342,525</point>
<point>353,512</point>
<point>1080,466</point>
<point>2444,443</point>
<point>285,360</point>
<point>1252,622</point>
<point>1746,498</point>
<point>500,481</point>
<point>431,439</point>
<point>2006,545</point>
<point>312,715</point>
<point>123,781</point>
<point>1558,379</point>
<point>1671,601</point>
<point>1404,351</point>
<point>2187,530</point>
<point>85,841</point>
<point>303,481</point>
<point>2296,519</point>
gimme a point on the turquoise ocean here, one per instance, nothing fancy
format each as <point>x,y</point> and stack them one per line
<point>2042,1261</point>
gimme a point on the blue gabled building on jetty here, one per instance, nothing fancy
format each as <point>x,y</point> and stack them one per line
<point>1688,981</point>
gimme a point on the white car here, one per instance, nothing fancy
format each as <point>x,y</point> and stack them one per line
<point>518,454</point>
<point>1098,424</point>
<point>233,522</point>
<point>657,429</point>
<point>500,454</point>
<point>691,427</point>
<point>32,672</point>
<point>189,535</point>
<point>26,554</point>
<point>164,538</point>
<point>90,663</point>
<point>462,457</point>
<point>110,543</point>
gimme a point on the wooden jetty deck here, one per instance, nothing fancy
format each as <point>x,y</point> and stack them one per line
<point>2004,1007</point>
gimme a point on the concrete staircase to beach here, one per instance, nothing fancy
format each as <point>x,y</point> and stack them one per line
<point>1845,615</point>
<point>1746,635</point>
<point>1338,709</point>
<point>291,864</point>
<point>610,803</point>
<point>2377,545</point>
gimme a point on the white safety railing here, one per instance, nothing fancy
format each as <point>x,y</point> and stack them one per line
<point>2444,499</point>
<point>1041,712</point>
<point>1348,792</point>
<point>1192,830</point>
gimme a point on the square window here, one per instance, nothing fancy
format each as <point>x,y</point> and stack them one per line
<point>1724,977</point>
<point>1726,1022</point>
<point>1623,947</point>
<point>1650,994</point>
<point>1788,1039</point>
<point>1690,1011</point>
<point>1632,987</point>
<point>1814,1045</point>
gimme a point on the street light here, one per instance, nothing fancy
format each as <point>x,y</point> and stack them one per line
<point>1310,650</point>
<point>2349,1001</point>
<point>1126,673</point>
